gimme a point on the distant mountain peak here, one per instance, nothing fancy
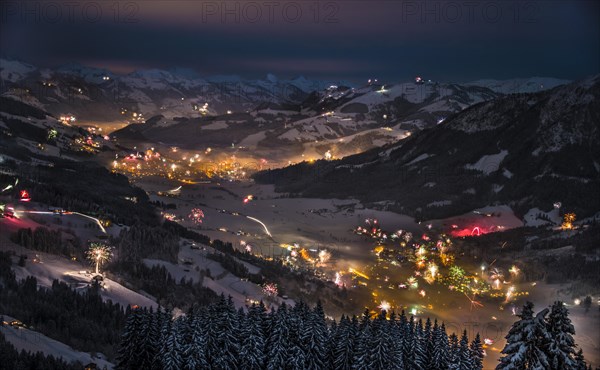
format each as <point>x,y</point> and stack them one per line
<point>519,85</point>
<point>184,72</point>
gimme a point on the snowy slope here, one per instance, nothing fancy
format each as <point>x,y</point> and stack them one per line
<point>520,85</point>
<point>524,150</point>
<point>13,71</point>
<point>221,281</point>
<point>296,111</point>
<point>32,341</point>
<point>58,268</point>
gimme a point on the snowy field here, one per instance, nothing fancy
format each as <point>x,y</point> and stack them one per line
<point>314,222</point>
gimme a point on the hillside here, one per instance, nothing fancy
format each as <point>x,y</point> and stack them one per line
<point>96,94</point>
<point>338,119</point>
<point>179,107</point>
<point>472,159</point>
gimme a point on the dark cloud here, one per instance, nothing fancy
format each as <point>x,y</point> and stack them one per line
<point>355,40</point>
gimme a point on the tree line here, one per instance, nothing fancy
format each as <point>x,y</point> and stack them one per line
<point>48,241</point>
<point>220,337</point>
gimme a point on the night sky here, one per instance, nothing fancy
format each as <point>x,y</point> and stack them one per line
<point>448,41</point>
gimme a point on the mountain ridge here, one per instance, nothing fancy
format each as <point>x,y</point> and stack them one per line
<point>473,160</point>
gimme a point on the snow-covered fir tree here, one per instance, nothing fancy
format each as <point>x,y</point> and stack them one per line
<point>380,343</point>
<point>454,358</point>
<point>227,339</point>
<point>562,344</point>
<point>314,337</point>
<point>253,341</point>
<point>278,343</point>
<point>441,350</point>
<point>148,336</point>
<point>477,353</point>
<point>172,348</point>
<point>409,338</point>
<point>580,363</point>
<point>361,357</point>
<point>296,323</point>
<point>396,342</point>
<point>464,353</point>
<point>419,352</point>
<point>344,343</point>
<point>527,342</point>
<point>127,356</point>
<point>194,354</point>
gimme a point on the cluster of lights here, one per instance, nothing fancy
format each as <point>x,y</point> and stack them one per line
<point>169,216</point>
<point>67,119</point>
<point>434,263</point>
<point>203,109</point>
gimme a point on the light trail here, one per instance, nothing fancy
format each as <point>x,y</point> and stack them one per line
<point>262,223</point>
<point>94,219</point>
<point>174,191</point>
<point>65,214</point>
<point>356,272</point>
<point>474,303</point>
<point>37,212</point>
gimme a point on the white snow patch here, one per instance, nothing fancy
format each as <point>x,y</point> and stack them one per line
<point>531,217</point>
<point>419,158</point>
<point>252,140</point>
<point>488,163</point>
<point>440,203</point>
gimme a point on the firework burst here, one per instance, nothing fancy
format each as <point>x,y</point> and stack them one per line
<point>324,256</point>
<point>99,253</point>
<point>270,289</point>
<point>196,215</point>
<point>385,306</point>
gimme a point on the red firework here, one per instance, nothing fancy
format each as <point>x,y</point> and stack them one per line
<point>196,215</point>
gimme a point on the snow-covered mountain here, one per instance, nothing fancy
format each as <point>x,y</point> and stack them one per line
<point>14,71</point>
<point>98,94</point>
<point>525,150</point>
<point>340,119</point>
<point>305,116</point>
<point>519,85</point>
